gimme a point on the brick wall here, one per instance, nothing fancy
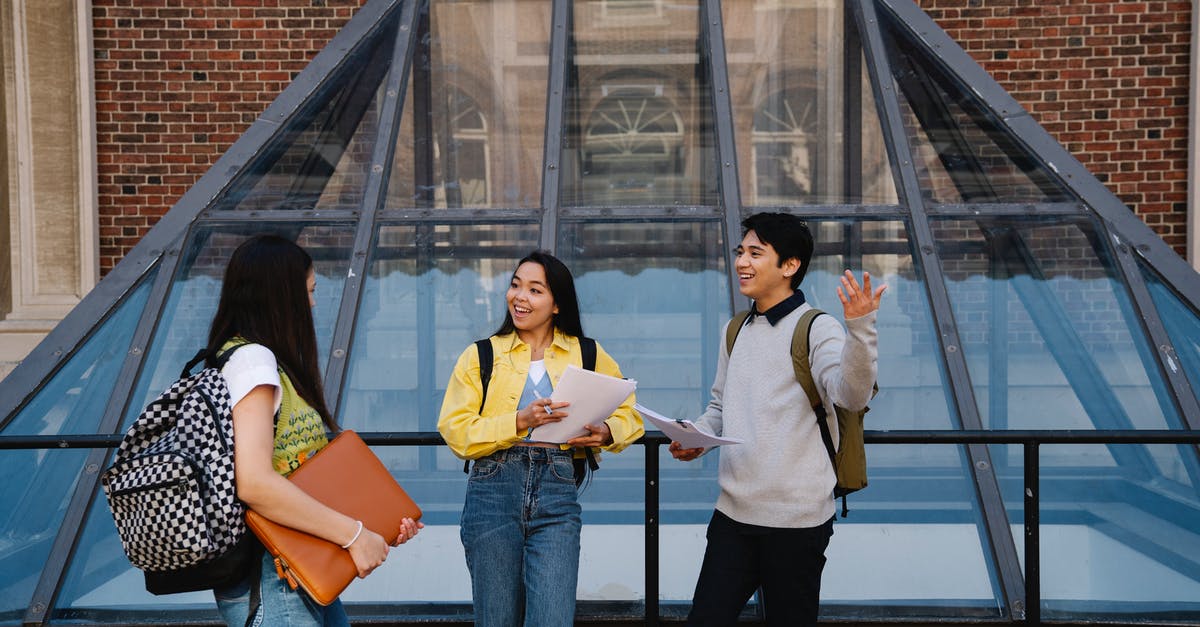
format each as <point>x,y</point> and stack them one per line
<point>1108,79</point>
<point>177,82</point>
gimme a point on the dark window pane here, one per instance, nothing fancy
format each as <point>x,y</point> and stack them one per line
<point>71,403</point>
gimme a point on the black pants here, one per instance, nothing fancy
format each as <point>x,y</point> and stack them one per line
<point>786,563</point>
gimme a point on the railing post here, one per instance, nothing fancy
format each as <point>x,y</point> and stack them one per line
<point>1033,579</point>
<point>652,482</point>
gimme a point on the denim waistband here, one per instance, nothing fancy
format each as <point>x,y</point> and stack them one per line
<point>535,453</point>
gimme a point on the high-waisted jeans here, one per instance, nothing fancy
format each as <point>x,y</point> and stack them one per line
<point>520,531</point>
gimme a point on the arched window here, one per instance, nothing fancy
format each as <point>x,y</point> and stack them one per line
<point>465,168</point>
<point>633,143</point>
<point>784,148</point>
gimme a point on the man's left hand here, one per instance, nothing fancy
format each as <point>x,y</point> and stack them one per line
<point>858,301</point>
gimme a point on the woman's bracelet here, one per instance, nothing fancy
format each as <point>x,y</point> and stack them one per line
<point>357,533</point>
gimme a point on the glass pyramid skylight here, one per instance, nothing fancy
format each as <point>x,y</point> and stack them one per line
<point>432,144</point>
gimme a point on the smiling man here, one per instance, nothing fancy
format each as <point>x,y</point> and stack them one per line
<point>774,517</point>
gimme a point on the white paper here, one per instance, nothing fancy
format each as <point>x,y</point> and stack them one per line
<point>685,432</point>
<point>593,397</point>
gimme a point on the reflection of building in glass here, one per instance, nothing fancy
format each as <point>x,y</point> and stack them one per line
<point>430,149</point>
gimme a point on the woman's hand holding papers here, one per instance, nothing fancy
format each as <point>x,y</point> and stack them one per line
<point>598,436</point>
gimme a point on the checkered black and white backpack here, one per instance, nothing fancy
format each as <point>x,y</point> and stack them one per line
<point>171,487</point>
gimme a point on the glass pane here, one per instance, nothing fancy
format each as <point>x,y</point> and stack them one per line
<point>803,110</point>
<point>669,277</point>
<point>960,149</point>
<point>1047,330</point>
<point>323,159</point>
<point>639,107</point>
<point>37,489</point>
<point>431,290</point>
<point>477,99</point>
<point>38,484</point>
<point>920,514</point>
<point>1180,321</point>
<point>183,326</point>
<point>73,401</point>
<point>1118,543</point>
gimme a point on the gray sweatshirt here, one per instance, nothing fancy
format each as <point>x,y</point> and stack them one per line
<point>780,475</point>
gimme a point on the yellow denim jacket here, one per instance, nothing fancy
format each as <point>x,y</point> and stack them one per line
<point>472,434</point>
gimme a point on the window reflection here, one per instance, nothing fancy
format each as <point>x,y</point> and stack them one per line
<point>803,112</point>
<point>638,117</point>
<point>783,163</point>
<point>1047,329</point>
<point>322,160</point>
<point>1105,553</point>
<point>473,130</point>
<point>960,149</point>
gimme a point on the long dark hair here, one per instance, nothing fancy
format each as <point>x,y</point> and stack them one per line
<point>562,288</point>
<point>264,299</point>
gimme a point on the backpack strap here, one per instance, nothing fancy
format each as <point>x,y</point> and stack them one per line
<point>735,326</point>
<point>587,346</point>
<point>486,360</point>
<point>803,372</point>
<point>202,355</point>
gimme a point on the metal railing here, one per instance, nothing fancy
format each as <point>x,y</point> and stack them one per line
<point>1030,441</point>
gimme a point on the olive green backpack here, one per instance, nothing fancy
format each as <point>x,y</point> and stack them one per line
<point>850,459</point>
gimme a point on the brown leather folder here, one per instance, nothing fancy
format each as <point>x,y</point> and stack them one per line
<point>348,477</point>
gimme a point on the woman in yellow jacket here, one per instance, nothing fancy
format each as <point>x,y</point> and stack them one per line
<point>521,520</point>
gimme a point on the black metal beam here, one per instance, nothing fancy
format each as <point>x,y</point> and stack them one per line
<point>712,30</point>
<point>562,56</point>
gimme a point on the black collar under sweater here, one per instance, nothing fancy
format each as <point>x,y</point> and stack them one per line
<point>777,313</point>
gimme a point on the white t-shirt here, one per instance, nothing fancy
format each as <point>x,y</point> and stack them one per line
<point>251,366</point>
<point>537,370</point>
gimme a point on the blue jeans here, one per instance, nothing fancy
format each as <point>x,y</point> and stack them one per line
<point>520,531</point>
<point>279,604</point>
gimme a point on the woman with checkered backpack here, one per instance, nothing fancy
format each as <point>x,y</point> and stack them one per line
<point>280,420</point>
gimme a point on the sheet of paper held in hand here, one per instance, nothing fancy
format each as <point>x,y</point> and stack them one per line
<point>685,432</point>
<point>593,397</point>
